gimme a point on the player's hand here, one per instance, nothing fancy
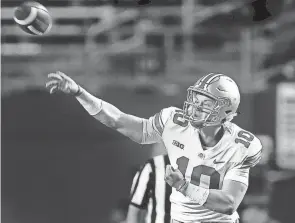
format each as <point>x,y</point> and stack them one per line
<point>174,177</point>
<point>58,81</point>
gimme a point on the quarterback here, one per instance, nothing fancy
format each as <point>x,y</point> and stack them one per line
<point>210,156</point>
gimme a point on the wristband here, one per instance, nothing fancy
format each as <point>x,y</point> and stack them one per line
<point>182,186</point>
<point>196,193</point>
<point>79,92</point>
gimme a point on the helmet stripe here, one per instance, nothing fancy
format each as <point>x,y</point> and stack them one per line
<point>204,80</point>
<point>212,78</point>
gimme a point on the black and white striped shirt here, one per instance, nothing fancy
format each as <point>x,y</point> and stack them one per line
<point>150,191</point>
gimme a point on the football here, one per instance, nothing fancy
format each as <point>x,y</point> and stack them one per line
<point>33,18</point>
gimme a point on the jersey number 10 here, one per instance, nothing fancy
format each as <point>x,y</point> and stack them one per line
<point>244,138</point>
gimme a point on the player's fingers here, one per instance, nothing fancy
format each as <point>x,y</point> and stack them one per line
<point>55,76</point>
<point>63,75</point>
<point>166,177</point>
<point>168,169</point>
<point>53,89</point>
<point>51,83</point>
<point>179,172</point>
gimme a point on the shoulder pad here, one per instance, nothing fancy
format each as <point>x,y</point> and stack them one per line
<point>161,118</point>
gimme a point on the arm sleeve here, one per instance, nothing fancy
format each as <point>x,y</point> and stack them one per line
<point>141,187</point>
<point>154,126</point>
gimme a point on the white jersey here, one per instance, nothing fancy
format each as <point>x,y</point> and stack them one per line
<point>229,159</point>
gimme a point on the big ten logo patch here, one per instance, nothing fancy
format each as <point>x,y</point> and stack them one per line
<point>178,144</point>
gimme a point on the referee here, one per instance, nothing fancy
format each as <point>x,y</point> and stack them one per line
<point>150,193</point>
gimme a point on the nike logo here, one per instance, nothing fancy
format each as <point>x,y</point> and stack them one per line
<point>217,162</point>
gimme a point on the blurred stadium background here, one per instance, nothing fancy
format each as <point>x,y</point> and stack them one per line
<point>59,165</point>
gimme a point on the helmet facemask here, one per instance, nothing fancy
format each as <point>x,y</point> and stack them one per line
<point>215,114</point>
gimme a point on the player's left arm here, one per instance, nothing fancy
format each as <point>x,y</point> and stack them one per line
<point>227,199</point>
<point>235,183</point>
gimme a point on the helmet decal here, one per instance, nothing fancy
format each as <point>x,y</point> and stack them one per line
<point>204,82</point>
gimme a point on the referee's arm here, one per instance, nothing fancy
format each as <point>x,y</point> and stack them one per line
<point>140,191</point>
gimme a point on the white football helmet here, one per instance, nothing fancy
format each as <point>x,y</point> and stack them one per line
<point>224,92</point>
